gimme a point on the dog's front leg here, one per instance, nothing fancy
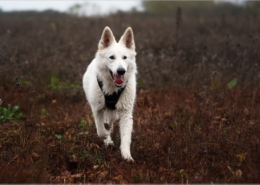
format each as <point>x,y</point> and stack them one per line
<point>99,121</point>
<point>101,130</point>
<point>126,127</point>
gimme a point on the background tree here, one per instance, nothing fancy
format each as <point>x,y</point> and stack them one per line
<point>198,8</point>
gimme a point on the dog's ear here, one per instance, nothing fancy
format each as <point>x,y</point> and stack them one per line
<point>107,38</point>
<point>128,39</point>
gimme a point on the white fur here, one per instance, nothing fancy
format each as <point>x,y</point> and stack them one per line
<point>100,67</point>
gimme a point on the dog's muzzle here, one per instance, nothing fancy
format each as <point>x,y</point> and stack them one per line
<point>118,78</point>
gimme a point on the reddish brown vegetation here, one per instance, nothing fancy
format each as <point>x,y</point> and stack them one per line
<point>194,130</point>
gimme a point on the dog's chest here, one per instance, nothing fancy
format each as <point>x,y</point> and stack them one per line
<point>112,99</point>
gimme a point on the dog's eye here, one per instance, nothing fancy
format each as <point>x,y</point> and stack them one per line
<point>112,57</point>
<point>124,57</point>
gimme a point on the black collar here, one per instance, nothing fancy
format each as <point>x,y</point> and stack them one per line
<point>111,100</point>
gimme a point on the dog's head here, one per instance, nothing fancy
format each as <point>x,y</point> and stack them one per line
<point>117,58</point>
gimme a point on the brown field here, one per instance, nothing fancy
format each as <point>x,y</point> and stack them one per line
<point>189,126</point>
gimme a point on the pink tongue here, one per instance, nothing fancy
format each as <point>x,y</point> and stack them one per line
<point>118,79</point>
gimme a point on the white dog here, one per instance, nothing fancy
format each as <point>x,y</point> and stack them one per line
<point>110,87</point>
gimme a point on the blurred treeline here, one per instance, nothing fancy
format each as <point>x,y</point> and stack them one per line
<point>33,13</point>
<point>157,8</point>
<point>196,8</point>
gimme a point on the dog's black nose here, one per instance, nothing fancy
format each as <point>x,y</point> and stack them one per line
<point>120,71</point>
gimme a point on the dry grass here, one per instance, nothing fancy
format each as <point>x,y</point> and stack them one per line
<point>188,126</point>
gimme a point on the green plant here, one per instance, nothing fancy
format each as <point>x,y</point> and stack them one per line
<point>83,124</point>
<point>183,175</point>
<point>140,83</point>
<point>217,84</point>
<point>10,113</point>
<point>136,177</point>
<point>25,82</point>
<point>43,112</point>
<point>58,136</point>
<point>55,82</point>
<point>98,157</point>
<point>232,83</point>
<point>71,151</point>
<point>86,153</point>
<point>53,27</point>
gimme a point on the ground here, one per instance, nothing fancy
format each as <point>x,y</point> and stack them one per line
<point>196,116</point>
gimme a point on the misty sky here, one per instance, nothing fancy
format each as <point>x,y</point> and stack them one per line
<point>105,6</point>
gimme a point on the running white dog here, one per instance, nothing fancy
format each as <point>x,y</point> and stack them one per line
<point>110,87</point>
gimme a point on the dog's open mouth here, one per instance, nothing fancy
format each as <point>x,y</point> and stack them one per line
<point>118,79</point>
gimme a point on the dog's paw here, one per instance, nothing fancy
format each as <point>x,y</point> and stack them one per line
<point>128,157</point>
<point>108,142</point>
